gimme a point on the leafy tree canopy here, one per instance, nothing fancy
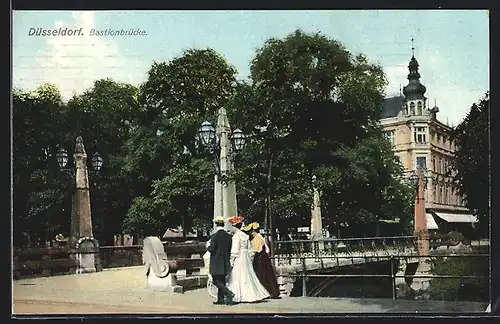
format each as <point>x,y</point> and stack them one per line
<point>317,106</point>
<point>163,152</point>
<point>471,162</point>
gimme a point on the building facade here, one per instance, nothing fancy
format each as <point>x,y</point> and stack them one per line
<point>419,139</point>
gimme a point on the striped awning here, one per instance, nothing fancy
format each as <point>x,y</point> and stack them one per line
<point>431,223</point>
<point>456,218</point>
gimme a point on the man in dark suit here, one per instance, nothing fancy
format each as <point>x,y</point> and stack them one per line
<point>220,253</point>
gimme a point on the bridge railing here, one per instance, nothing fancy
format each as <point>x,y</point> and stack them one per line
<point>451,276</point>
<point>288,251</point>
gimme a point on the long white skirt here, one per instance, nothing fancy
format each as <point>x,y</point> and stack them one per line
<point>243,281</point>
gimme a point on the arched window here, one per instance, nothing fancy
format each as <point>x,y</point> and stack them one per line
<point>405,109</point>
<point>412,108</point>
<point>419,108</point>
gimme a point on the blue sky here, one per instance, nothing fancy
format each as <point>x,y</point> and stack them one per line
<point>452,47</point>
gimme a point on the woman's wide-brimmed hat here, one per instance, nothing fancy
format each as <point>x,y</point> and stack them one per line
<point>236,219</point>
<point>252,226</point>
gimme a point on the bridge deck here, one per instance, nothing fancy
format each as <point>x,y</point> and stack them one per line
<point>123,291</point>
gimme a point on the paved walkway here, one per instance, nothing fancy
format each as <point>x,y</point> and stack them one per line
<point>123,291</point>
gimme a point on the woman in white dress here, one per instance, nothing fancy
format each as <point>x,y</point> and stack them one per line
<point>243,281</point>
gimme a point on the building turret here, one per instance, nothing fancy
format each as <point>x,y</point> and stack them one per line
<point>414,91</point>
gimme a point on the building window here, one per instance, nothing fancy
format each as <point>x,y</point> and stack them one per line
<point>446,166</point>
<point>440,195</point>
<point>421,162</point>
<point>390,136</point>
<point>438,138</point>
<point>420,135</point>
<point>440,165</point>
<point>419,108</point>
<point>405,109</point>
<point>446,196</point>
<point>412,108</point>
<point>434,164</point>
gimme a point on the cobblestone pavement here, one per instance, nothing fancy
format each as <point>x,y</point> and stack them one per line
<point>123,291</point>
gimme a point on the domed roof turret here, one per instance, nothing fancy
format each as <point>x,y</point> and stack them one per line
<point>414,89</point>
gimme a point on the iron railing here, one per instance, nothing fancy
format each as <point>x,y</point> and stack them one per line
<point>351,251</point>
<point>288,251</point>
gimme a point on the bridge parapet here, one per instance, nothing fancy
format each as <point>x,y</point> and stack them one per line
<point>288,251</point>
<point>295,258</point>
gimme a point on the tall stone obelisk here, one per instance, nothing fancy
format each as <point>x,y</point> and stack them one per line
<point>420,221</point>
<point>422,236</point>
<point>81,219</point>
<point>224,192</point>
<point>86,248</point>
<point>316,221</point>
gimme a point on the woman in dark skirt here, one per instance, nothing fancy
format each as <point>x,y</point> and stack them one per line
<point>261,261</point>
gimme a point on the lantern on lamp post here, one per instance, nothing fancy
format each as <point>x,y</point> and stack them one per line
<point>222,144</point>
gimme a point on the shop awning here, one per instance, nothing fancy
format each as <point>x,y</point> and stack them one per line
<point>431,223</point>
<point>456,218</point>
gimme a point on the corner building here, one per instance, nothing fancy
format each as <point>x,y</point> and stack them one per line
<point>418,138</point>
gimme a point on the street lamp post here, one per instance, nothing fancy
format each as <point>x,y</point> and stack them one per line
<point>81,235</point>
<point>218,142</point>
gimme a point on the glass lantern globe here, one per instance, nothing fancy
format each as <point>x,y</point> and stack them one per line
<point>238,139</point>
<point>97,161</point>
<point>207,134</point>
<point>62,157</point>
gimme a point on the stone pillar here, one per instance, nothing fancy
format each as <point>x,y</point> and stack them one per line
<point>316,229</point>
<point>81,219</point>
<point>224,198</point>
<point>118,240</point>
<point>128,240</point>
<point>422,236</point>
<point>420,221</point>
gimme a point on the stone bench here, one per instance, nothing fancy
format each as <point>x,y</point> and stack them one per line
<point>162,271</point>
<point>192,267</point>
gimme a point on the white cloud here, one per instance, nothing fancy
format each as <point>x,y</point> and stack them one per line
<point>73,63</point>
<point>453,98</point>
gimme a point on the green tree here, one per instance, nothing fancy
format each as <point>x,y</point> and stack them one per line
<point>176,98</point>
<point>103,115</point>
<point>319,106</point>
<point>471,162</point>
<point>38,117</point>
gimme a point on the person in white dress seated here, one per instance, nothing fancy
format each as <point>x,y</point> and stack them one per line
<point>243,281</point>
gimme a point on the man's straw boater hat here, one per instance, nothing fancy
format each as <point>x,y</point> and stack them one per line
<point>252,226</point>
<point>236,219</point>
<point>219,220</point>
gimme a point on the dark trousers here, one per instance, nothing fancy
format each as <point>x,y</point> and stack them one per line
<point>220,282</point>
